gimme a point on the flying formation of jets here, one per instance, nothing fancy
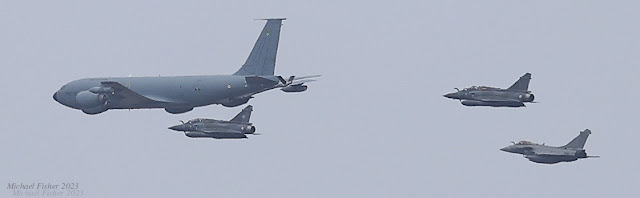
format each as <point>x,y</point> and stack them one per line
<point>181,94</point>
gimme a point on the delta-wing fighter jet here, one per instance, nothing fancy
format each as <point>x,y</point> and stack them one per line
<point>540,153</point>
<point>235,128</point>
<point>514,96</point>
<point>180,94</point>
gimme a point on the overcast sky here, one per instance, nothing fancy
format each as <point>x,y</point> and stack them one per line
<point>374,125</point>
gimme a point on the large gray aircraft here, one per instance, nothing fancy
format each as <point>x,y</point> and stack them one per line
<point>180,94</point>
<point>514,96</point>
<point>573,151</point>
<point>235,128</point>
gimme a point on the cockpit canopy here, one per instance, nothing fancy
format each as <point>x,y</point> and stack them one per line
<point>200,120</point>
<point>479,88</point>
<point>525,143</point>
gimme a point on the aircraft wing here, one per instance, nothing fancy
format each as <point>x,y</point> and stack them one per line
<point>549,154</point>
<point>299,80</point>
<point>125,96</point>
<point>224,134</point>
<point>494,99</point>
<point>258,80</point>
<point>305,77</point>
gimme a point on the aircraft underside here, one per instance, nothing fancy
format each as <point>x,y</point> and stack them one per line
<point>473,103</point>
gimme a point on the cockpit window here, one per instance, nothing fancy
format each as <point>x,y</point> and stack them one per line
<point>525,143</point>
<point>479,88</point>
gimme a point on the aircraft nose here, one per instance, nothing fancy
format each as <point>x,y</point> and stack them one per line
<point>507,149</point>
<point>177,128</point>
<point>55,96</point>
<point>450,95</point>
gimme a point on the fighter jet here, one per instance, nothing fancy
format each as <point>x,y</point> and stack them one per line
<point>514,96</point>
<point>180,94</point>
<point>236,128</point>
<point>549,154</point>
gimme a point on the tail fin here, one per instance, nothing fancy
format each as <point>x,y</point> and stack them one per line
<point>262,60</point>
<point>244,115</point>
<point>522,84</point>
<point>578,142</point>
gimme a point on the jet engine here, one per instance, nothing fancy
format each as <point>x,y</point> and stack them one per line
<point>87,99</point>
<point>99,90</point>
<point>92,103</point>
<point>178,110</point>
<point>248,129</point>
<point>294,88</point>
<point>235,102</point>
<point>526,97</point>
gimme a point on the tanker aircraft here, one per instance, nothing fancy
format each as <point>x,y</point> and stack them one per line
<point>180,94</point>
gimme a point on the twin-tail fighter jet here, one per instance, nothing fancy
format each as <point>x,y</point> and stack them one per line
<point>180,94</point>
<point>514,96</point>
<point>235,128</point>
<point>573,151</point>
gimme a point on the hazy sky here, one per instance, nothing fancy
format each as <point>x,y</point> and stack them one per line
<point>374,125</point>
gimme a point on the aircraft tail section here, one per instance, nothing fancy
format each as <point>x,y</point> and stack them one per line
<point>522,84</point>
<point>244,115</point>
<point>262,59</point>
<point>578,142</point>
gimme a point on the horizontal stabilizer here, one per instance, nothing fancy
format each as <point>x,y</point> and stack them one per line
<point>305,77</point>
<point>299,82</point>
<point>593,156</point>
<point>257,80</point>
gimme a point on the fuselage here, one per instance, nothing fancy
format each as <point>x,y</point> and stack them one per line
<point>546,154</point>
<point>210,128</point>
<point>180,92</point>
<point>489,96</point>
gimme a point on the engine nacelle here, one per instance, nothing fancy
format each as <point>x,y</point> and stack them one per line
<point>248,129</point>
<point>99,90</point>
<point>294,88</point>
<point>88,100</point>
<point>178,110</point>
<point>95,110</point>
<point>236,102</point>
<point>526,97</point>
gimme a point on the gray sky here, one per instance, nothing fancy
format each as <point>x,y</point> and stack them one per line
<point>375,125</point>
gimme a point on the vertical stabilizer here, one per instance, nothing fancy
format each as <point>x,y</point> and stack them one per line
<point>522,84</point>
<point>262,60</point>
<point>244,115</point>
<point>578,142</point>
